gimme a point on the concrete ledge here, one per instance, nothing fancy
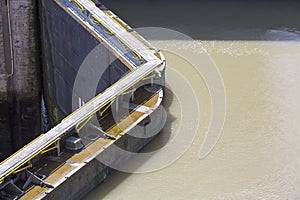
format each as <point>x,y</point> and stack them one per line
<point>80,176</point>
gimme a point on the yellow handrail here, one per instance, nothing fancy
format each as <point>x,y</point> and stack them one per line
<point>17,169</point>
<point>129,91</point>
<point>24,147</point>
<point>148,77</point>
<point>97,21</point>
<point>105,109</point>
<point>120,23</point>
<point>81,8</point>
<point>81,124</point>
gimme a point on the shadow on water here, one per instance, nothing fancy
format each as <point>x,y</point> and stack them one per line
<point>166,134</point>
<point>217,19</point>
<point>117,177</point>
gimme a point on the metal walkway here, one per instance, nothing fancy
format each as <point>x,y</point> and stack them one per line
<point>17,161</point>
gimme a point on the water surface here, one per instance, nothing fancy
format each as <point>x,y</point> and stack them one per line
<point>255,45</point>
<point>258,153</point>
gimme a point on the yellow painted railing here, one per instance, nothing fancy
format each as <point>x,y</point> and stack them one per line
<point>19,168</point>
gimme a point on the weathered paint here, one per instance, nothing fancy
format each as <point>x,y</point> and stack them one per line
<point>20,87</point>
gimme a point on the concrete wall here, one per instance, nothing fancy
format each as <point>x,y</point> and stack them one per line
<point>20,91</point>
<point>65,45</point>
<point>94,172</point>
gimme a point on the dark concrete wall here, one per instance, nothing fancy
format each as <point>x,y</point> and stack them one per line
<point>20,91</point>
<point>65,45</point>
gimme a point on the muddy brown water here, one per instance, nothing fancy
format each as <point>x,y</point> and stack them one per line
<point>255,46</point>
<point>258,153</point>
